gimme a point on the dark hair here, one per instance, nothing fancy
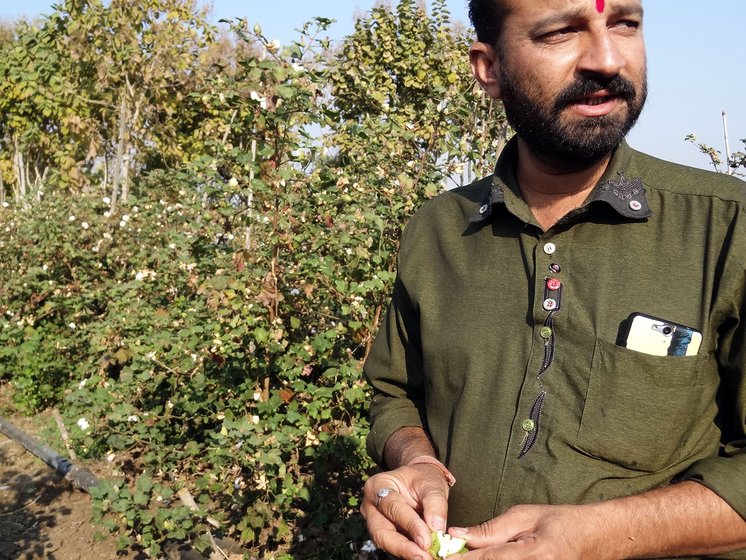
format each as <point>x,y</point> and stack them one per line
<point>487,17</point>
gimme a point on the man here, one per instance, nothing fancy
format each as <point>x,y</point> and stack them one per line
<point>503,360</point>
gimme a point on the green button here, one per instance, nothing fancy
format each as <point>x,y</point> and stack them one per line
<point>545,332</point>
<point>528,425</point>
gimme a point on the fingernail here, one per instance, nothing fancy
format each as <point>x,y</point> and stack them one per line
<point>420,542</point>
<point>460,530</point>
<point>439,524</point>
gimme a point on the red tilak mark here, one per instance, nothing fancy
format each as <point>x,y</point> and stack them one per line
<point>600,6</point>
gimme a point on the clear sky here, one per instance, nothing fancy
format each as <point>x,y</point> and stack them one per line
<point>696,58</point>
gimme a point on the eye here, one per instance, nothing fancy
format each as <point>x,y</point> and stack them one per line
<point>627,24</point>
<point>556,35</point>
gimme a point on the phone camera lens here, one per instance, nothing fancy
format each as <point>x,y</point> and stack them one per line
<point>667,330</point>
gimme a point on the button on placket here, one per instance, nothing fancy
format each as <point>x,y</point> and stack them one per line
<point>553,284</point>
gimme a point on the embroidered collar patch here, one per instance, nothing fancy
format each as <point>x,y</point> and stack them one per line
<point>625,195</point>
<point>623,188</point>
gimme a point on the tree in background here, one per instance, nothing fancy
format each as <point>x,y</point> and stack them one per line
<point>731,163</point>
<point>40,121</point>
<point>92,95</point>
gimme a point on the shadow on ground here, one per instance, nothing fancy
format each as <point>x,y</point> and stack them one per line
<point>26,489</point>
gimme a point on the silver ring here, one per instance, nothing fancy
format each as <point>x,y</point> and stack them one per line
<point>382,493</point>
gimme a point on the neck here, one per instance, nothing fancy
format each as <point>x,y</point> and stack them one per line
<point>552,190</point>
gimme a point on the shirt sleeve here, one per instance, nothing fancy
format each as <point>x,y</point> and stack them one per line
<point>394,371</point>
<point>724,473</point>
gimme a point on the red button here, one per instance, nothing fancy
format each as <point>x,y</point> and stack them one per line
<point>553,284</point>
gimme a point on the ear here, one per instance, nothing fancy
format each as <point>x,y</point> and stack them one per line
<point>485,65</point>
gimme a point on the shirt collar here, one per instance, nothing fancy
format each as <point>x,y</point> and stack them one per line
<point>621,191</point>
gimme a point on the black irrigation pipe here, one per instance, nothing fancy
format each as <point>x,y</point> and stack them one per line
<point>81,477</point>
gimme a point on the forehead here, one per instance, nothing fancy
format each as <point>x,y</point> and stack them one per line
<point>542,8</point>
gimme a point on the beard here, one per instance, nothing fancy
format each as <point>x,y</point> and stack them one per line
<point>564,143</point>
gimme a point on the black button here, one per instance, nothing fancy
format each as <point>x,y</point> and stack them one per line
<point>554,267</point>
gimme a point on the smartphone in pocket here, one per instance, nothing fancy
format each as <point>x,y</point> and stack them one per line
<point>659,337</point>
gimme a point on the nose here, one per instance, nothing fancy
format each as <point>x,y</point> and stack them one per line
<point>601,54</point>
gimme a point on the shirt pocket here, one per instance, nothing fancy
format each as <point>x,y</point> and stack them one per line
<point>640,408</point>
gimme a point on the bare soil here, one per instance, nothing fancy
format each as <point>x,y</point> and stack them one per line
<point>42,516</point>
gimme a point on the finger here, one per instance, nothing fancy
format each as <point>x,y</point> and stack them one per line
<point>435,510</point>
<point>401,513</point>
<point>507,551</point>
<point>433,495</point>
<point>497,531</point>
<point>387,537</point>
<point>397,545</point>
<point>390,519</point>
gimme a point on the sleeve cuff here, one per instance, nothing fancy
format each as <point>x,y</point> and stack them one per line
<point>388,416</point>
<point>722,475</point>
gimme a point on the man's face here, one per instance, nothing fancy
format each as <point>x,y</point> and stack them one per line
<point>572,76</point>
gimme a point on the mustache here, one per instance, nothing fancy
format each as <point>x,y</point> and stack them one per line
<point>617,86</point>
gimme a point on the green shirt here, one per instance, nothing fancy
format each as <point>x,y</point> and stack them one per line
<point>524,385</point>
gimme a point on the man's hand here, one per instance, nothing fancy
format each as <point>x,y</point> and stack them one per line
<point>683,519</point>
<point>534,531</point>
<point>401,522</point>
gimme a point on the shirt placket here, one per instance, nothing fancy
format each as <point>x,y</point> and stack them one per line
<point>549,295</point>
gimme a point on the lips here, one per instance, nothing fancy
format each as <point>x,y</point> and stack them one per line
<point>595,100</point>
<point>593,96</point>
<point>596,105</point>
